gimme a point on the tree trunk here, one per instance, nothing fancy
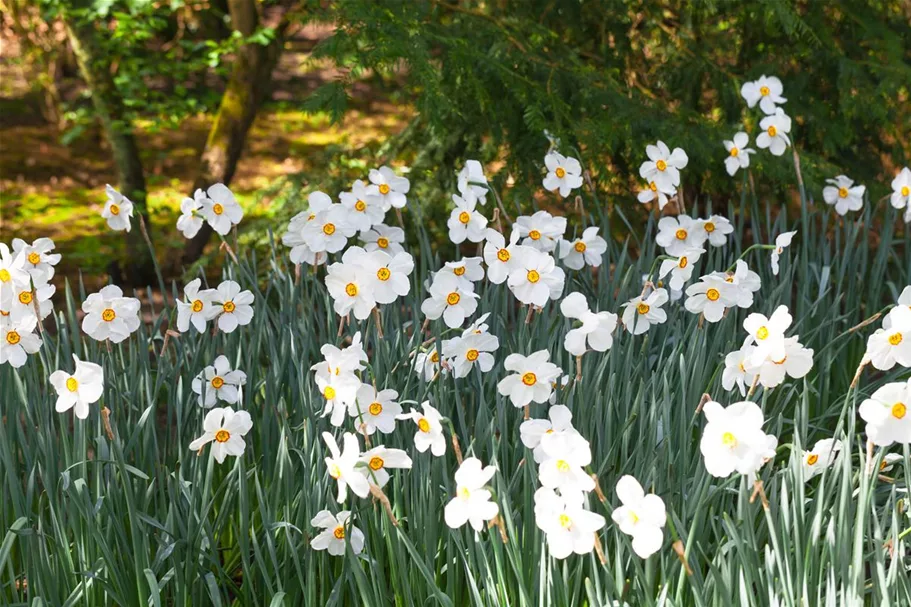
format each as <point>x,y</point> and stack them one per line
<point>138,268</point>
<point>248,86</point>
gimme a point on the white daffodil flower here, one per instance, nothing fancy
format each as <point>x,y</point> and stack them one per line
<point>385,238</point>
<point>738,153</point>
<point>472,181</point>
<point>797,362</point>
<point>28,301</point>
<point>296,238</point>
<point>501,259</point>
<point>774,135</point>
<point>336,533</point>
<point>343,466</point>
<point>471,503</point>
<point>338,361</point>
<point>886,347</point>
<point>18,340</point>
<point>736,370</point>
<point>541,231</point>
<point>531,378</point>
<point>219,382</point>
<point>901,190</point>
<point>225,429</point>
<point>680,269</point>
<point>221,209</point>
<point>717,229</point>
<point>387,189</point>
<point>640,314</point>
<point>587,249</point>
<point>350,285</point>
<point>449,298</point>
<point>465,221</point>
<point>559,424</point>
<point>597,328</point>
<point>118,209</point>
<point>823,455</point>
<point>468,269</point>
<point>564,174</point>
<point>378,459</point>
<point>842,193</point>
<point>363,210</point>
<point>79,390</point>
<point>680,234</point>
<point>430,429</point>
<point>782,241</point>
<point>563,466</point>
<point>733,439</point>
<point>191,214</point>
<point>464,352</point>
<point>232,306</point>
<point>904,299</point>
<point>766,90</point>
<point>663,166</point>
<point>390,274</point>
<point>197,307</point>
<point>711,296</point>
<point>768,334</point>
<point>37,258</point>
<point>427,364</point>
<point>536,278</point>
<point>744,281</point>
<point>374,410</point>
<point>651,192</point>
<point>640,516</point>
<point>567,525</point>
<point>110,315</point>
<point>340,393</point>
<point>329,230</point>
<point>887,414</point>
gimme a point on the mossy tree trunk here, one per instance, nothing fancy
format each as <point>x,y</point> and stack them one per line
<point>248,86</point>
<point>138,268</point>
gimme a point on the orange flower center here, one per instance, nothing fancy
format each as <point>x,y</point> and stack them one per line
<point>423,425</point>
<point>351,289</point>
<point>680,234</point>
<point>712,294</point>
<point>383,274</point>
<point>453,298</point>
<point>25,297</point>
<point>360,205</point>
<point>115,210</point>
<point>376,463</point>
<point>534,235</point>
<point>222,436</point>
<point>764,91</point>
<point>375,408</point>
<point>529,379</point>
<point>34,258</point>
<point>899,410</point>
<point>661,165</point>
<point>384,188</point>
<point>339,533</point>
<point>228,306</point>
<point>472,355</point>
<point>580,247</point>
<point>12,338</point>
<point>197,305</point>
<point>643,308</point>
<point>895,339</point>
<point>503,255</point>
<point>464,217</point>
<point>709,227</point>
<point>772,130</point>
<point>329,229</point>
<point>734,152</point>
<point>762,333</point>
<point>108,315</point>
<point>560,173</point>
<point>217,382</point>
<point>382,242</point>
<point>812,459</point>
<point>843,192</point>
<point>459,270</point>
<point>218,209</point>
<point>533,276</point>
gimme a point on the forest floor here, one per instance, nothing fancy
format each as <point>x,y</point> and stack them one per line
<point>56,189</point>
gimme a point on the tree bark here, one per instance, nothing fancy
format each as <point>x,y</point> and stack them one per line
<point>138,268</point>
<point>248,87</point>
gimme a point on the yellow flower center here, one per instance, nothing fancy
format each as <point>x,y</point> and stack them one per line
<point>375,408</point>
<point>661,165</point>
<point>218,382</point>
<point>376,463</point>
<point>580,247</point>
<point>435,357</point>
<point>764,91</point>
<point>228,306</point>
<point>25,297</point>
<point>680,234</point>
<point>384,188</point>
<point>762,333</point>
<point>34,258</point>
<point>533,276</point>
<point>218,209</point>
<point>222,436</point>
<point>453,298</point>
<point>108,315</point>
<point>335,471</point>
<point>360,205</point>
<point>562,465</point>
<point>464,217</point>
<point>4,275</point>
<point>712,294</point>
<point>560,173</point>
<point>383,274</point>
<point>683,262</point>
<point>459,270</point>
<point>423,425</point>
<point>653,186</point>
<point>351,289</point>
<point>472,355</point>
<point>643,308</point>
<point>534,235</point>
<point>899,410</point>
<point>72,384</point>
<point>772,130</point>
<point>895,339</point>
<point>12,338</point>
<point>503,255</point>
<point>197,305</point>
<point>906,190</point>
<point>812,459</point>
<point>782,361</point>
<point>565,521</point>
<point>329,229</point>
<point>115,210</point>
<point>382,242</point>
<point>729,440</point>
<point>529,379</point>
<point>843,192</point>
<point>464,493</point>
<point>709,227</point>
<point>339,533</point>
<point>734,152</point>
<point>329,393</point>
